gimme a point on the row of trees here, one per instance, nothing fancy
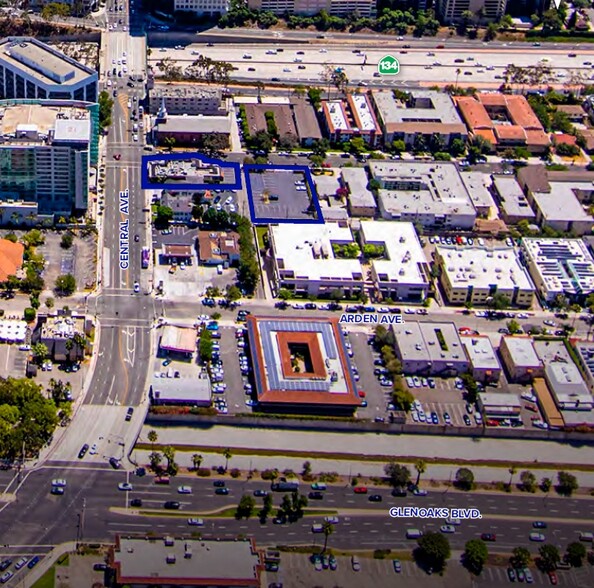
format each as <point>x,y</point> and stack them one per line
<point>202,69</point>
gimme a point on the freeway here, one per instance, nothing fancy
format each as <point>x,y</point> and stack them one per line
<point>298,63</point>
<point>93,497</point>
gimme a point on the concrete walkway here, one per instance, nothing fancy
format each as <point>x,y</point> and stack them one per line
<point>46,563</point>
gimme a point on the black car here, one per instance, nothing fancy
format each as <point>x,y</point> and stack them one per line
<point>310,305</point>
<point>5,564</point>
<point>172,505</point>
<point>316,496</point>
<point>136,502</point>
<point>219,483</point>
<point>140,472</point>
<point>399,492</point>
<point>466,420</point>
<point>33,562</point>
<point>99,567</point>
<point>83,451</point>
<point>136,238</point>
<point>129,414</point>
<point>260,493</point>
<point>115,463</point>
<point>222,491</point>
<point>282,305</point>
<point>375,498</point>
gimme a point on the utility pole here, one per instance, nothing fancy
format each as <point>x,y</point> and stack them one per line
<point>82,519</point>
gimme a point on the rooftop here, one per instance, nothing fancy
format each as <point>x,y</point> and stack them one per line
<point>184,91</point>
<point>425,106</point>
<point>513,201</point>
<point>477,184</point>
<point>522,352</point>
<point>306,121</point>
<point>404,261</point>
<point>483,267</point>
<point>189,391</point>
<point>301,361</point>
<point>195,124</point>
<point>481,353</point>
<point>42,63</point>
<point>69,123</point>
<point>178,339</point>
<point>356,180</point>
<point>306,252</point>
<point>560,202</point>
<point>421,188</point>
<point>11,258</point>
<point>499,399</point>
<point>193,562</point>
<point>336,115</point>
<point>62,327</point>
<point>361,108</point>
<point>563,265</point>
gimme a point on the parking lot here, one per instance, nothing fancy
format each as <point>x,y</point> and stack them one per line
<point>13,362</point>
<point>274,194</point>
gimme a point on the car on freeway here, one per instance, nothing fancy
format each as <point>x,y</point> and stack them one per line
<point>375,498</point>
<point>83,451</point>
<point>222,491</point>
<point>184,490</point>
<point>125,486</point>
<point>260,493</point>
<point>360,489</point>
<point>172,505</point>
<point>195,522</point>
<point>537,537</point>
<point>488,537</point>
<point>447,529</point>
<point>539,525</point>
<point>332,520</point>
<point>219,483</point>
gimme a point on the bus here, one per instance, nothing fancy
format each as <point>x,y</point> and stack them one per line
<point>145,257</point>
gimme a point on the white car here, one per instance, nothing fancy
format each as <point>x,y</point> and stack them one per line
<point>415,416</point>
<point>20,563</point>
<point>478,419</point>
<point>455,522</point>
<point>195,522</point>
<point>409,311</point>
<point>537,537</point>
<point>125,486</point>
<point>93,450</point>
<point>528,396</point>
<point>422,416</point>
<point>550,323</point>
<point>447,529</point>
<point>59,483</point>
<point>540,424</point>
<point>331,520</point>
<point>184,490</point>
<point>417,404</point>
<point>136,287</point>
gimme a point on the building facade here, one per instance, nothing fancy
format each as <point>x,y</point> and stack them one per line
<point>452,11</point>
<point>365,8</point>
<point>179,99</point>
<point>202,7</point>
<point>31,69</point>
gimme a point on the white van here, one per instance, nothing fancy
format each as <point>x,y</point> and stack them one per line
<point>219,269</point>
<point>413,533</point>
<point>317,528</point>
<point>589,537</point>
<point>135,127</point>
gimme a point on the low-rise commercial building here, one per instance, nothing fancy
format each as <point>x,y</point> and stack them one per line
<point>478,185</point>
<point>417,119</point>
<point>429,193</point>
<point>311,259</point>
<point>430,349</point>
<point>178,340</point>
<point>483,359</point>
<point>33,70</point>
<point>186,391</point>
<point>306,122</point>
<point>301,365</point>
<point>181,205</point>
<point>361,201</point>
<point>504,120</point>
<point>476,273</point>
<point>520,359</point>
<point>512,200</point>
<point>180,99</point>
<point>218,248</point>
<point>499,405</point>
<point>559,202</point>
<point>400,271</point>
<point>173,254</point>
<point>585,355</point>
<point>19,213</point>
<point>65,336</point>
<point>185,562</point>
<point>560,267</point>
<point>192,130</point>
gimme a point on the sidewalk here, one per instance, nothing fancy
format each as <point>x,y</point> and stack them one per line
<point>46,563</point>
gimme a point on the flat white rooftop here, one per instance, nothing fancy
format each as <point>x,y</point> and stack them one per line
<point>561,203</point>
<point>306,250</point>
<point>480,352</point>
<point>337,116</point>
<point>363,112</point>
<point>562,265</point>
<point>404,260</point>
<point>356,180</point>
<point>522,352</point>
<point>483,267</point>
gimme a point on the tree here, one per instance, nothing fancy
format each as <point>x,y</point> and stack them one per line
<point>67,240</point>
<point>164,217</point>
<point>513,327</point>
<point>457,147</point>
<point>169,455</point>
<point>306,471</point>
<point>33,238</point>
<point>40,352</point>
<point>232,294</point>
<point>284,294</point>
<point>398,146</point>
<point>576,552</point>
<point>421,467</point>
<point>464,479</point>
<point>528,480</point>
<point>196,460</point>
<point>155,460</point>
<point>328,529</point>
<point>491,32</point>
<point>512,470</point>
<point>397,475</point>
<point>65,285</point>
<point>551,22</point>
<point>245,508</point>
<point>549,557</point>
<point>475,556</point>
<point>567,483</point>
<point>49,302</point>
<point>29,315</point>
<point>227,455</point>
<point>105,109</point>
<point>153,437</point>
<point>433,551</point>
<point>402,398</point>
<point>546,484</point>
<point>521,557</point>
<point>498,301</point>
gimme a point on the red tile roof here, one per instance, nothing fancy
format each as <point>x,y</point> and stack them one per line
<point>11,258</point>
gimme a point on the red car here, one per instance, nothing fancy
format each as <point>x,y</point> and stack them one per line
<point>553,578</point>
<point>489,537</point>
<point>117,156</point>
<point>360,489</point>
<point>362,394</point>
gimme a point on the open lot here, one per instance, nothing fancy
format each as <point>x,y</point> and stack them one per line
<point>13,362</point>
<point>274,196</point>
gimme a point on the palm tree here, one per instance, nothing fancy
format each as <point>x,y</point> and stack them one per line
<point>458,72</point>
<point>327,529</point>
<point>512,471</point>
<point>153,437</point>
<point>197,461</point>
<point>227,456</point>
<point>421,468</point>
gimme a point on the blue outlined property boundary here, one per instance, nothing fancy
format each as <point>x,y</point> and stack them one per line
<point>249,168</point>
<point>146,184</point>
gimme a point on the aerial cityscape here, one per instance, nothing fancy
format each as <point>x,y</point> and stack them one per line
<point>297,294</point>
